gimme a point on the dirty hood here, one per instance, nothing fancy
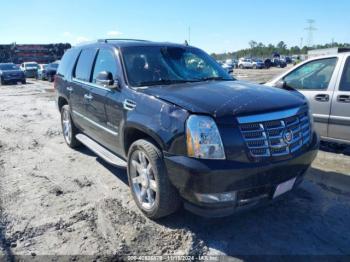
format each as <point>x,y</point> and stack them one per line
<point>223,98</point>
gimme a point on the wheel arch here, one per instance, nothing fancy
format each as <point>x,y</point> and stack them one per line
<point>132,133</point>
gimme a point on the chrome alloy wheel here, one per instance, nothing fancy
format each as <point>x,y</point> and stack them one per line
<point>67,126</point>
<point>143,180</point>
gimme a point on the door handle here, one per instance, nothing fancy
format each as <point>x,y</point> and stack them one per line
<point>88,97</point>
<point>343,98</point>
<point>69,89</point>
<point>322,97</point>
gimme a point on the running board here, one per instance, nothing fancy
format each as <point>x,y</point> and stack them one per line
<point>101,151</point>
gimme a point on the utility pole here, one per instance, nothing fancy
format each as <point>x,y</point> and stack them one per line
<point>310,29</point>
<point>301,43</point>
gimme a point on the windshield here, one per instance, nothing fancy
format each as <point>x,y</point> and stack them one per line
<point>54,66</point>
<point>31,65</point>
<point>154,65</point>
<point>8,67</point>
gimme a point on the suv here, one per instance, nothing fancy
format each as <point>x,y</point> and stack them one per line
<point>245,63</point>
<point>51,70</point>
<point>258,64</point>
<point>10,73</point>
<point>30,69</point>
<point>186,131</point>
<point>325,82</point>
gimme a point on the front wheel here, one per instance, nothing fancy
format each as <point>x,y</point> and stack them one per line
<point>151,189</point>
<point>68,128</point>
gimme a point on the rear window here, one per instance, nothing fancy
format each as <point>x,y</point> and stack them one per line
<point>84,65</point>
<point>68,60</point>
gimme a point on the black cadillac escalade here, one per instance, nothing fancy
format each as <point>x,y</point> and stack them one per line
<point>186,131</point>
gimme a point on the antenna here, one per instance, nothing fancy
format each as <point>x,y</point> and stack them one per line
<point>310,29</point>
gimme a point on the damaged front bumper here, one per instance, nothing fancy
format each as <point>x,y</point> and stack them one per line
<point>216,188</point>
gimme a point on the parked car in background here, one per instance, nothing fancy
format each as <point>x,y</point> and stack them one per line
<point>325,82</point>
<point>186,131</point>
<point>278,62</point>
<point>10,73</point>
<point>229,65</point>
<point>245,63</point>
<point>51,70</point>
<point>258,64</point>
<point>30,69</point>
<point>41,72</point>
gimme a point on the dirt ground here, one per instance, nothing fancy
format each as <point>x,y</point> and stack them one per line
<point>59,201</point>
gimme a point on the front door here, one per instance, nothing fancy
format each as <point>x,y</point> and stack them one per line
<point>103,101</point>
<point>339,123</point>
<point>316,81</point>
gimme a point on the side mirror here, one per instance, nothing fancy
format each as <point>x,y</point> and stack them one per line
<point>281,84</point>
<point>105,79</point>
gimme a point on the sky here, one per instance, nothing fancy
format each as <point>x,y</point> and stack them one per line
<point>215,25</point>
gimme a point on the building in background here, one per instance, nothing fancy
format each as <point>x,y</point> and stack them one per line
<point>41,54</point>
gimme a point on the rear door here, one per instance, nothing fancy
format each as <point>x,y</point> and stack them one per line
<point>81,87</point>
<point>339,123</point>
<point>316,80</point>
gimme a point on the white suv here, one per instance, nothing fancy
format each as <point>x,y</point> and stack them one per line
<point>245,63</point>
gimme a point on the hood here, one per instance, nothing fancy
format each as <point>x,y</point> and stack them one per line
<point>224,98</point>
<point>10,72</point>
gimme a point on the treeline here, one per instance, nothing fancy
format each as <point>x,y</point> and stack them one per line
<point>263,51</point>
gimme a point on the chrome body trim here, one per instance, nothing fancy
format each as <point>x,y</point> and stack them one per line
<point>268,116</point>
<point>95,124</point>
<point>90,84</point>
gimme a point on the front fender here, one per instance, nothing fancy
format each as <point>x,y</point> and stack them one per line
<point>162,121</point>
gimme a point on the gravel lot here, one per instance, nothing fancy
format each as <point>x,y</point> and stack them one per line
<point>58,201</point>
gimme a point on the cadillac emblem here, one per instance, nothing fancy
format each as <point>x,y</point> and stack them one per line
<point>288,136</point>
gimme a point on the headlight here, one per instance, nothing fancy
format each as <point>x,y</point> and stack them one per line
<point>203,138</point>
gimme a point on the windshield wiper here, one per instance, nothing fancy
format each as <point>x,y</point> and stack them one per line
<point>165,82</point>
<point>216,78</point>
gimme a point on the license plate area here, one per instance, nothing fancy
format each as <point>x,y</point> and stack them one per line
<point>284,187</point>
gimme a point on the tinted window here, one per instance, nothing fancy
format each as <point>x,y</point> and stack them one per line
<point>314,75</point>
<point>68,60</point>
<point>105,61</point>
<point>84,65</point>
<point>345,80</point>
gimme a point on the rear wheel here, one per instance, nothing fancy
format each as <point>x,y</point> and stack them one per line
<point>254,66</point>
<point>68,128</point>
<point>241,66</point>
<point>151,189</point>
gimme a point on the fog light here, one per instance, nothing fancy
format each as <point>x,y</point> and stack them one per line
<point>216,197</point>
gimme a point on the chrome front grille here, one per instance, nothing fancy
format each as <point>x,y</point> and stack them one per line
<point>276,134</point>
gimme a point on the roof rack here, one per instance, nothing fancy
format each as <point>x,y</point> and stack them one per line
<point>106,40</point>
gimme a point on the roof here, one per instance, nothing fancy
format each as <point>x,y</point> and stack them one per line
<point>120,43</point>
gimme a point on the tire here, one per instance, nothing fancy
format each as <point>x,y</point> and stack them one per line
<point>23,82</point>
<point>2,81</point>
<point>241,66</point>
<point>68,128</point>
<point>153,184</point>
<point>254,66</point>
